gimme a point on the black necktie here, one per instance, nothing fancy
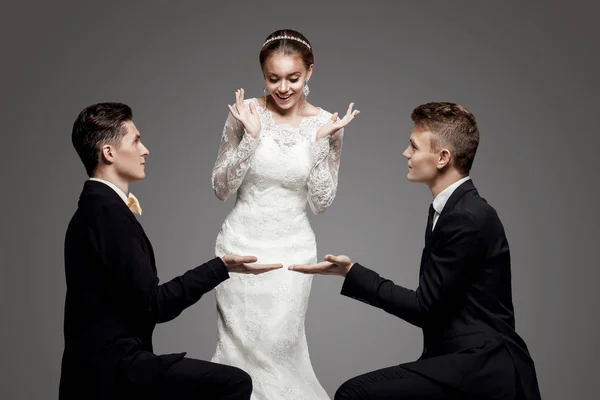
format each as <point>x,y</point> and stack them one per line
<point>428,230</point>
<point>430,218</point>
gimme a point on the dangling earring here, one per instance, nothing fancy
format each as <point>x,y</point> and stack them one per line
<point>266,93</point>
<point>305,91</point>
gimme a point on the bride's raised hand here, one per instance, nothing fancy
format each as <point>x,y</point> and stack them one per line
<point>246,115</point>
<point>336,124</point>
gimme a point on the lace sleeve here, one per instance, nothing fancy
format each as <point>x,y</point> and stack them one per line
<point>235,152</point>
<point>323,178</point>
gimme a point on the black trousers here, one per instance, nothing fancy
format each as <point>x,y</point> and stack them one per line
<point>402,384</point>
<point>394,383</point>
<point>198,379</point>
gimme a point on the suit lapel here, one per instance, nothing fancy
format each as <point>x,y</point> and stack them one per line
<point>458,193</point>
<point>431,234</point>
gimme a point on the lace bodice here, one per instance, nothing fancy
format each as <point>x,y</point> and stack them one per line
<point>285,165</point>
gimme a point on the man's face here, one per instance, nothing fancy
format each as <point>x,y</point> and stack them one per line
<point>422,162</point>
<point>129,157</point>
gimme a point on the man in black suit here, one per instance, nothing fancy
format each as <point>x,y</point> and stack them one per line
<point>463,302</point>
<point>114,299</point>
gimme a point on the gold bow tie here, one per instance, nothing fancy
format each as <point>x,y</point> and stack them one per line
<point>133,204</point>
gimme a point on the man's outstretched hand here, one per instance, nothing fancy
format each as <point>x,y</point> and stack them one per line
<point>245,265</point>
<point>333,265</point>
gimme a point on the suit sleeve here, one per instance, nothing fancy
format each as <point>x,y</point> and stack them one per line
<point>452,261</point>
<point>119,245</point>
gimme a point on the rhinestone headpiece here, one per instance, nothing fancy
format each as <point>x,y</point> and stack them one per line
<point>286,37</point>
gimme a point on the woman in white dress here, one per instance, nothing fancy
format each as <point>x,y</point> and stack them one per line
<point>277,153</point>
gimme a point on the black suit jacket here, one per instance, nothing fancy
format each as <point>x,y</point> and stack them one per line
<point>463,303</point>
<point>114,300</point>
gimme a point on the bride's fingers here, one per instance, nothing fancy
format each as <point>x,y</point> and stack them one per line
<point>235,103</point>
<point>350,117</point>
<point>334,117</point>
<point>350,109</point>
<point>241,104</point>
<point>238,102</point>
<point>236,113</point>
<point>233,111</point>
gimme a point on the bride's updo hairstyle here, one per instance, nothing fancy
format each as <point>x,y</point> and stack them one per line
<point>287,42</point>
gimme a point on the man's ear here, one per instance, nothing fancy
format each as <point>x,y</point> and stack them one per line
<point>107,154</point>
<point>444,158</point>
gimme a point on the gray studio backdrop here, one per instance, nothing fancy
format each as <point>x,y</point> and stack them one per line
<point>528,72</point>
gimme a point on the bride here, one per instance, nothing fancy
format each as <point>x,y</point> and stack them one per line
<point>277,153</point>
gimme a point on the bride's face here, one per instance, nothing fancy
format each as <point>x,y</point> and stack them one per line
<point>284,78</point>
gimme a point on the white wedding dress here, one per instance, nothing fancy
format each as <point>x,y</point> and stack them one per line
<point>261,317</point>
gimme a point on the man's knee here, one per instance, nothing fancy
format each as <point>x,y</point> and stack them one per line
<point>239,383</point>
<point>348,391</point>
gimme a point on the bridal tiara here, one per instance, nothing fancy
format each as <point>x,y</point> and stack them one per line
<point>286,37</point>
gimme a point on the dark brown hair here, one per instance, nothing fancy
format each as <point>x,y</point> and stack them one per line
<point>96,126</point>
<point>288,47</point>
<point>452,126</point>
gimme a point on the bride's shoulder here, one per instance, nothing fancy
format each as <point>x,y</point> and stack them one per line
<point>322,114</point>
<point>259,105</point>
<point>255,100</point>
